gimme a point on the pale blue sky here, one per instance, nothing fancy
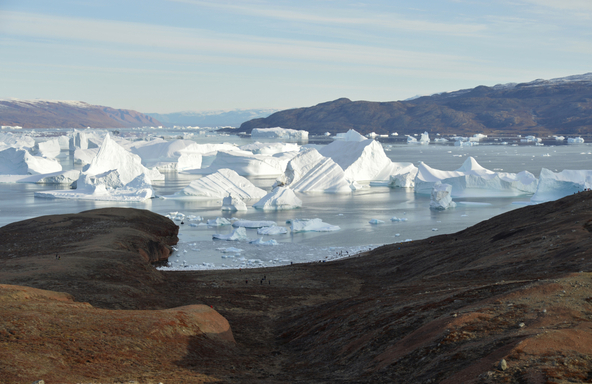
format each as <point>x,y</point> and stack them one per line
<point>175,55</point>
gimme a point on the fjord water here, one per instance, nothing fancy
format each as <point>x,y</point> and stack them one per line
<point>351,212</point>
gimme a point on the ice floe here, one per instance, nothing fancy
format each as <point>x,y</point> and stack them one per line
<point>260,241</point>
<point>236,235</point>
<point>311,225</point>
<point>441,197</point>
<point>253,223</point>
<point>272,230</point>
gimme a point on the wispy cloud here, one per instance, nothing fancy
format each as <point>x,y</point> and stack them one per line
<point>364,18</point>
<point>197,44</point>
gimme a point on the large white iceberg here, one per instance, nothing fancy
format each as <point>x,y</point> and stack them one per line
<point>217,186</point>
<point>49,149</point>
<point>553,186</point>
<point>279,133</point>
<point>168,155</point>
<point>10,140</point>
<point>15,161</point>
<point>472,180</point>
<point>245,164</point>
<point>280,198</point>
<point>441,198</point>
<point>360,160</point>
<point>312,172</point>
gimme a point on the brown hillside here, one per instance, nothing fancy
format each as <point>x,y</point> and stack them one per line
<point>447,309</point>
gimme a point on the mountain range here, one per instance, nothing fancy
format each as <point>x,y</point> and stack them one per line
<point>68,114</point>
<point>232,118</point>
<point>540,107</point>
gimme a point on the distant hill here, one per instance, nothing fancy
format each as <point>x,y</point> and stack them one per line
<point>232,118</point>
<point>540,107</point>
<point>68,114</point>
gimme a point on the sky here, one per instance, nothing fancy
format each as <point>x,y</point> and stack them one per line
<point>164,56</point>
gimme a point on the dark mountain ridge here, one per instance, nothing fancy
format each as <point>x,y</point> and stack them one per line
<point>69,114</point>
<point>541,107</point>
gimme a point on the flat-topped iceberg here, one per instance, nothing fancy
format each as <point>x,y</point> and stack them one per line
<point>472,180</point>
<point>217,186</point>
<point>553,186</point>
<point>48,149</point>
<point>311,225</point>
<point>272,230</point>
<point>280,198</point>
<point>168,155</point>
<point>279,133</point>
<point>245,164</point>
<point>441,197</point>
<point>312,172</point>
<point>269,149</point>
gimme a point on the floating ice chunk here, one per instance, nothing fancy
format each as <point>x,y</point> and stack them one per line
<point>230,250</point>
<point>312,172</point>
<point>194,218</point>
<point>162,154</point>
<point>350,135</point>
<point>396,175</point>
<point>279,133</point>
<point>48,149</point>
<point>231,203</point>
<point>218,185</point>
<point>311,225</point>
<point>280,198</point>
<point>376,221</point>
<point>218,221</point>
<point>472,180</point>
<point>253,223</point>
<point>553,186</point>
<point>272,230</point>
<point>260,241</point>
<point>434,229</point>
<point>15,161</point>
<point>425,138</point>
<point>575,140</point>
<point>63,177</point>
<point>10,140</point>
<point>236,235</point>
<point>441,197</point>
<point>360,160</point>
<point>411,140</point>
<point>559,138</point>
<point>401,219</point>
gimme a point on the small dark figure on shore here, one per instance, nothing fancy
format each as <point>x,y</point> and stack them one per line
<point>56,256</point>
<point>247,281</point>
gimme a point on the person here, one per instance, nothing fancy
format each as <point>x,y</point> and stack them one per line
<point>56,256</point>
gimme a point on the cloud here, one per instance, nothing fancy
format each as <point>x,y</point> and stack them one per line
<point>199,44</point>
<point>364,19</point>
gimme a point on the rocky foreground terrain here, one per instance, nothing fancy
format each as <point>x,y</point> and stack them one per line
<point>508,300</point>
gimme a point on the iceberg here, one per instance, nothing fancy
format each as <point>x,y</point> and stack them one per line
<point>575,140</point>
<point>312,172</point>
<point>48,149</point>
<point>232,204</point>
<point>553,186</point>
<point>253,223</point>
<point>351,135</point>
<point>396,175</point>
<point>218,222</point>
<point>15,161</point>
<point>272,230</point>
<point>411,140</point>
<point>441,197</point>
<point>311,225</point>
<point>280,198</point>
<point>10,140</point>
<point>269,149</point>
<point>236,235</point>
<point>376,221</point>
<point>166,155</point>
<point>85,156</point>
<point>217,186</point>
<point>472,180</point>
<point>260,241</point>
<point>425,138</point>
<point>279,133</point>
<point>360,160</point>
<point>245,164</point>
